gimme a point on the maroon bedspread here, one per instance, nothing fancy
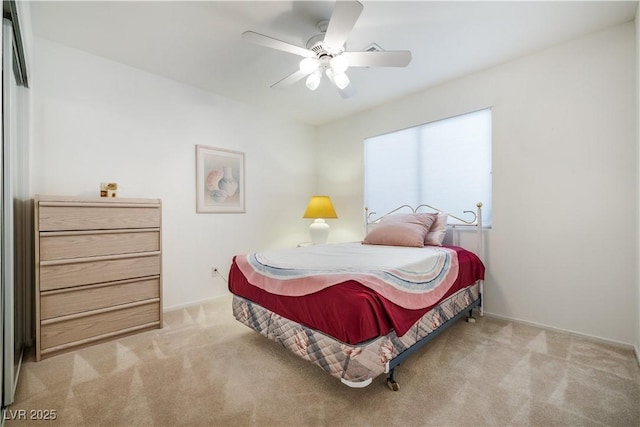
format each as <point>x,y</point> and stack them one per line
<point>349,311</point>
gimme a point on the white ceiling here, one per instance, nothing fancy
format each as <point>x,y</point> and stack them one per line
<point>199,43</point>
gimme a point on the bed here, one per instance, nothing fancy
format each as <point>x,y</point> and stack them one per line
<point>359,309</point>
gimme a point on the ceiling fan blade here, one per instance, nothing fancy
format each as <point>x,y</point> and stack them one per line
<point>344,17</point>
<point>289,80</point>
<point>267,41</point>
<point>396,58</point>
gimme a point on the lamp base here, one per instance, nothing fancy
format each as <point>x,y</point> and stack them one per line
<point>319,230</point>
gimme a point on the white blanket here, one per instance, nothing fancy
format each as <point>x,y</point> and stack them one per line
<point>410,277</point>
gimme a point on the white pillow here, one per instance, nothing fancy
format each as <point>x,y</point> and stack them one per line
<point>438,230</point>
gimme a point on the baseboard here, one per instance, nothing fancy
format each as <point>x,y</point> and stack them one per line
<point>566,331</point>
<point>194,303</point>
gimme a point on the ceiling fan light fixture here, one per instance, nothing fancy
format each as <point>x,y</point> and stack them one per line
<point>313,81</point>
<point>341,80</point>
<point>309,65</point>
<point>339,64</point>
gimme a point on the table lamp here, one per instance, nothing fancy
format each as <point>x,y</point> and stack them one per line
<point>319,208</point>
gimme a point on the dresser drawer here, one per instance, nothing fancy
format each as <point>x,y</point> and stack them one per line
<point>96,325</point>
<point>84,271</point>
<point>80,244</point>
<point>77,300</point>
<point>96,217</point>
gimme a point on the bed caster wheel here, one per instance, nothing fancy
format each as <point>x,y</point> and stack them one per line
<point>393,385</point>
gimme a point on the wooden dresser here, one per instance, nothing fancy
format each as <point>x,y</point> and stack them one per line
<point>98,270</point>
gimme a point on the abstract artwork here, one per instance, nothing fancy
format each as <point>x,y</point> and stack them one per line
<point>219,180</point>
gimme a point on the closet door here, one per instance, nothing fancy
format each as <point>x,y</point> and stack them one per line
<point>8,91</point>
<point>15,222</point>
<point>16,258</point>
<point>2,293</point>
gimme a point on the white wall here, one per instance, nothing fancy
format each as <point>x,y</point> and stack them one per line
<point>562,251</point>
<point>96,120</point>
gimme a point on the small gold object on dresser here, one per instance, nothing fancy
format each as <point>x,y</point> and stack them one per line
<point>108,189</point>
<point>98,270</point>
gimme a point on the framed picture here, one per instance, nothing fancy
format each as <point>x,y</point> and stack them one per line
<point>219,180</point>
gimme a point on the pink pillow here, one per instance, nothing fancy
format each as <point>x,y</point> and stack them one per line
<point>438,230</point>
<point>426,219</point>
<point>401,230</point>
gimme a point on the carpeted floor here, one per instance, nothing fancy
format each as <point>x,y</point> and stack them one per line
<point>204,368</point>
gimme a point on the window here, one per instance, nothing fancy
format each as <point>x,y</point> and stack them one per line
<point>445,164</point>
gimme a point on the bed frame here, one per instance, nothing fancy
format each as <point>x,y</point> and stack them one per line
<point>475,221</point>
<point>357,365</point>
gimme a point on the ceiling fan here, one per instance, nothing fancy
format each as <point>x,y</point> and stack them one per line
<point>326,52</point>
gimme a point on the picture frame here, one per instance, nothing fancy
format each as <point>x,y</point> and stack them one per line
<point>219,180</point>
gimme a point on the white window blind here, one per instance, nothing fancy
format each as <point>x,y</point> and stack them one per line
<point>446,164</point>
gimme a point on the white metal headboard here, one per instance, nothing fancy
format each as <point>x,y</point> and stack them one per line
<point>474,221</point>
